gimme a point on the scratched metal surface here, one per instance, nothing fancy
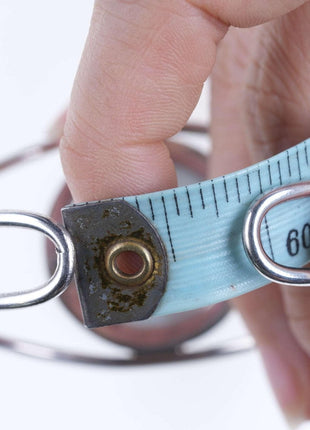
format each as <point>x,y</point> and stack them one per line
<point>94,227</point>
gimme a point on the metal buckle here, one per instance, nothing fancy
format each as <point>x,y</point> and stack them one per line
<point>65,259</point>
<point>252,236</point>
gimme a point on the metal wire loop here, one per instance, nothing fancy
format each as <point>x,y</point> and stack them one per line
<point>65,259</point>
<point>252,237</point>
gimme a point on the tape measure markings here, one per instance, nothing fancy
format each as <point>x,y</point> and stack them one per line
<point>176,203</point>
<point>189,202</point>
<point>225,189</point>
<point>202,197</point>
<point>280,173</point>
<point>215,199</point>
<point>269,238</point>
<point>269,173</point>
<point>201,226</point>
<point>152,210</point>
<point>137,203</point>
<point>238,191</point>
<point>288,163</point>
<point>168,228</point>
<point>260,181</point>
<point>306,154</point>
<point>298,162</point>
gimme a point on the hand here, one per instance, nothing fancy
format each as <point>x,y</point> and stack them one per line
<point>140,77</point>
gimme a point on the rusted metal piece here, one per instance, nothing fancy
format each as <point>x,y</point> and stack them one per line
<point>95,229</point>
<point>158,333</point>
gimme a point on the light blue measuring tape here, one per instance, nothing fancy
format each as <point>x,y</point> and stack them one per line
<point>200,227</point>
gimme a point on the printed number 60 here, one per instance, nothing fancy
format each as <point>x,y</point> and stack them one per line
<point>293,241</point>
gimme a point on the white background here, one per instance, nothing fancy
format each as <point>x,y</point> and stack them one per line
<point>40,47</point>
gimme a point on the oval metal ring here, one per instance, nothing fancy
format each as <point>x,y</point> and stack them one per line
<point>252,238</point>
<point>65,259</point>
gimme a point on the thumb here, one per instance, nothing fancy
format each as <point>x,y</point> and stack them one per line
<point>139,79</point>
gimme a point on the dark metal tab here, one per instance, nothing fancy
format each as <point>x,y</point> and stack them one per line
<point>101,231</point>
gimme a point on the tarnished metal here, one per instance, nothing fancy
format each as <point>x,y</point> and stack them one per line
<point>158,333</point>
<point>96,229</point>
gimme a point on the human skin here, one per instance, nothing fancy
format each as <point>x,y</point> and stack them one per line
<point>140,77</point>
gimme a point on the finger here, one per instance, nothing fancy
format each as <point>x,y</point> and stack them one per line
<point>229,127</point>
<point>287,365</point>
<point>272,113</point>
<point>140,77</point>
<point>246,13</point>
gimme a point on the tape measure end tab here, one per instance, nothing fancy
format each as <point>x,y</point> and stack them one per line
<point>122,269</point>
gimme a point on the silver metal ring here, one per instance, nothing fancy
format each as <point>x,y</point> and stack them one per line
<point>35,350</point>
<point>65,259</point>
<point>252,237</point>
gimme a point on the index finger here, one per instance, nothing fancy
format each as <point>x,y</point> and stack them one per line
<point>140,77</point>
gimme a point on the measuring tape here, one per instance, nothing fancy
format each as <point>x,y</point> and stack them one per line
<point>201,226</point>
<point>192,243</point>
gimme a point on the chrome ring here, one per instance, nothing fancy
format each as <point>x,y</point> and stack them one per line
<point>224,349</point>
<point>252,237</point>
<point>65,259</point>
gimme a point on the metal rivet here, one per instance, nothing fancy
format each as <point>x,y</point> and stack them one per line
<point>129,246</point>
